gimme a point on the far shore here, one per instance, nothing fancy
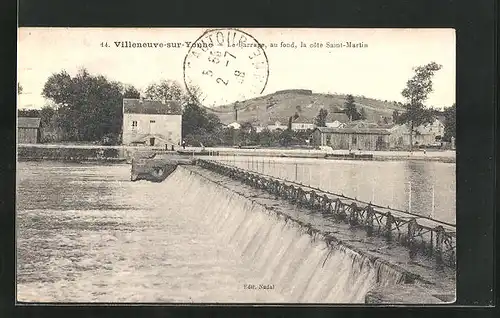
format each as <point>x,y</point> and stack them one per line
<point>418,154</point>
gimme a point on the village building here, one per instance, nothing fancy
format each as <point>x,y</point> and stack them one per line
<point>28,130</point>
<point>259,128</point>
<point>277,125</point>
<point>302,126</point>
<point>335,124</point>
<point>234,125</point>
<point>352,138</point>
<point>424,135</point>
<point>151,123</point>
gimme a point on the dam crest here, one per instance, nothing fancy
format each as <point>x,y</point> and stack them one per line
<point>297,254</point>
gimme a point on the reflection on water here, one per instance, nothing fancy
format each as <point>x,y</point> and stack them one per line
<point>421,187</point>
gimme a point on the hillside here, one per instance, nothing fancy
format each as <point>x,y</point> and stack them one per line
<point>283,104</point>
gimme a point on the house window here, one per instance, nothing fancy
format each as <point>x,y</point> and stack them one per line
<point>152,121</point>
<point>354,139</point>
<point>134,124</point>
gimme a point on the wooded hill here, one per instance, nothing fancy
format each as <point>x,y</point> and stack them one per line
<point>283,104</point>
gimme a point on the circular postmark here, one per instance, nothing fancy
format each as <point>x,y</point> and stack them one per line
<point>224,66</point>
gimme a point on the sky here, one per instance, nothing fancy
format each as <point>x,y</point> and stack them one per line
<point>379,69</point>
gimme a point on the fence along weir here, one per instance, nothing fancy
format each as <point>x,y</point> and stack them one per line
<point>419,234</point>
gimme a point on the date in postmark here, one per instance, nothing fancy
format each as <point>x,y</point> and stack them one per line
<point>224,66</point>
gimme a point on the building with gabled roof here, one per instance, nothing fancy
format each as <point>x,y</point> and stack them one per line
<point>151,123</point>
<point>352,138</point>
<point>28,130</point>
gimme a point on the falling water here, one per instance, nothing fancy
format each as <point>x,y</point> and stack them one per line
<point>299,266</point>
<point>103,238</point>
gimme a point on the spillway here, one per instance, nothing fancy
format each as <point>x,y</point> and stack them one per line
<point>198,236</point>
<point>300,266</point>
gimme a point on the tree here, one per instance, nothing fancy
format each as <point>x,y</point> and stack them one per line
<point>28,112</point>
<point>196,120</point>
<point>19,88</point>
<point>350,109</point>
<point>247,127</point>
<point>395,116</point>
<point>450,119</point>
<point>131,92</point>
<point>165,90</point>
<point>320,119</point>
<point>89,107</point>
<point>416,92</point>
<point>362,114</point>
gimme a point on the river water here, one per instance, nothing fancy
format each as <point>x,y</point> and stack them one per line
<point>422,187</point>
<point>85,233</point>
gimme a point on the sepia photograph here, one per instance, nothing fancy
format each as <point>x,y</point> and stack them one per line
<point>236,166</point>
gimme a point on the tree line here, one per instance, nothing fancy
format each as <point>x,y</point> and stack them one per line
<point>88,108</point>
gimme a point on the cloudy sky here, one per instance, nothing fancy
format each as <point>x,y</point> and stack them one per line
<point>379,70</point>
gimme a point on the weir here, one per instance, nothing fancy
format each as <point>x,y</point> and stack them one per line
<point>417,233</point>
<point>314,246</point>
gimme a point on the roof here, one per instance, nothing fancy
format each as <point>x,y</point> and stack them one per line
<point>148,106</point>
<point>301,123</point>
<point>371,131</point>
<point>28,122</point>
<point>361,124</point>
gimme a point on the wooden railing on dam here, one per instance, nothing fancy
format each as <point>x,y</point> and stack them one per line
<point>419,234</point>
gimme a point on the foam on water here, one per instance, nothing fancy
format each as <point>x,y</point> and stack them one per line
<point>301,267</point>
<point>186,239</point>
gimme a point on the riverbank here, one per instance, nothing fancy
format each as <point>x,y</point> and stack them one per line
<point>125,153</point>
<point>430,155</point>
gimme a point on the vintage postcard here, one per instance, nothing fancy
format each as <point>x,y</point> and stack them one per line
<point>236,165</point>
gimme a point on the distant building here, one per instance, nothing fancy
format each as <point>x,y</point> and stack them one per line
<point>352,138</point>
<point>234,125</point>
<point>298,126</point>
<point>259,128</point>
<point>151,123</point>
<point>28,130</point>
<point>363,124</point>
<point>277,125</point>
<point>335,124</point>
<point>428,134</point>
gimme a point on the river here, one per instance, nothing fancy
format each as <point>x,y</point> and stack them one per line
<point>422,187</point>
<point>85,233</point>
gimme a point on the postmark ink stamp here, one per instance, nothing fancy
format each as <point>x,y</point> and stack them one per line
<point>224,66</point>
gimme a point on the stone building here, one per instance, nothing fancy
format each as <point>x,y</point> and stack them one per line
<point>424,135</point>
<point>151,123</point>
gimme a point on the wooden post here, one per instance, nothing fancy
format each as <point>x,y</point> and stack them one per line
<point>412,227</point>
<point>353,215</point>
<point>432,211</point>
<point>296,172</point>
<point>310,174</point>
<point>329,180</point>
<point>409,197</point>
<point>369,219</point>
<point>388,225</point>
<point>439,244</point>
